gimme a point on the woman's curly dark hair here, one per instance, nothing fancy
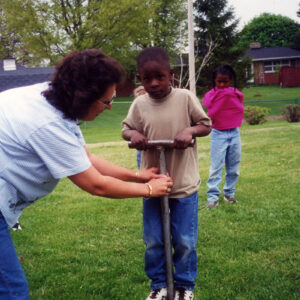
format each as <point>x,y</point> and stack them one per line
<point>80,79</point>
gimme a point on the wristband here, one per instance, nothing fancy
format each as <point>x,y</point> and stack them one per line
<point>150,189</point>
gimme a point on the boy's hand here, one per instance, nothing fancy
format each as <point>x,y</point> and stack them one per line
<point>183,138</point>
<point>138,140</point>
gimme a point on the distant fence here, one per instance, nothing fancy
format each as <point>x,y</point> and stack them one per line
<point>290,101</point>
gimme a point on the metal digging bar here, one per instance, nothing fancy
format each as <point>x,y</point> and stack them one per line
<point>161,145</point>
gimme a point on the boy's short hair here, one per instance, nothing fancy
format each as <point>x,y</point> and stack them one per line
<point>153,54</point>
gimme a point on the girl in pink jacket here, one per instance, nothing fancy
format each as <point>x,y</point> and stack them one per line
<point>225,108</point>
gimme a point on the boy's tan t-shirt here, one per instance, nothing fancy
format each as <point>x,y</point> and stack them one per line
<point>163,119</point>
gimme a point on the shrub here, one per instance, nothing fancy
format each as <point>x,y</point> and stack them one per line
<point>291,112</point>
<point>255,114</point>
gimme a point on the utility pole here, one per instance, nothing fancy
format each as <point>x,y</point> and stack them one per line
<point>192,82</point>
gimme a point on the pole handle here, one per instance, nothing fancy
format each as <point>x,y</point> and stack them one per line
<point>162,143</point>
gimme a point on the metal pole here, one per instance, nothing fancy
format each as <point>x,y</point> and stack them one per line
<point>192,80</point>
<point>165,211</point>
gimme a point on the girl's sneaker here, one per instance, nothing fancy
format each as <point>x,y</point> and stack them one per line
<point>159,294</point>
<point>230,199</point>
<point>17,226</point>
<point>212,204</point>
<point>183,294</point>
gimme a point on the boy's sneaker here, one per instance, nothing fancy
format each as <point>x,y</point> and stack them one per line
<point>159,294</point>
<point>230,199</point>
<point>17,226</point>
<point>212,204</point>
<point>183,294</point>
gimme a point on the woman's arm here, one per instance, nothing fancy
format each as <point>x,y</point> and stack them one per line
<point>98,184</point>
<point>107,168</point>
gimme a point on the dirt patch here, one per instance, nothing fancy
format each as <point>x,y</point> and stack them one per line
<point>275,118</point>
<point>271,118</point>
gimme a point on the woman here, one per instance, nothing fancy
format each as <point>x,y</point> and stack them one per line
<point>41,142</point>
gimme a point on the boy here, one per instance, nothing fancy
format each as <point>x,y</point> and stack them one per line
<point>174,114</point>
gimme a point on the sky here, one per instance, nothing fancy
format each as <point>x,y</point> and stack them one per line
<point>246,10</point>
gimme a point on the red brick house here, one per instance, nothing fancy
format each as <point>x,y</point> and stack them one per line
<point>275,65</point>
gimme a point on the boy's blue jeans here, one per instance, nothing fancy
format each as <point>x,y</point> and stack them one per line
<point>138,158</point>
<point>184,228</point>
<point>13,283</point>
<point>225,148</point>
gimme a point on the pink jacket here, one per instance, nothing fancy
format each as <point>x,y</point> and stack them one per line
<point>224,107</point>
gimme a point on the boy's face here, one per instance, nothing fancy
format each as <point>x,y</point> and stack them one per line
<point>155,77</point>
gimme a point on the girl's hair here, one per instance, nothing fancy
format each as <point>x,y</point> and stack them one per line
<point>224,70</point>
<point>80,79</point>
<point>153,54</point>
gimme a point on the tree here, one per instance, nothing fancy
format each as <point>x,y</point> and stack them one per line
<point>51,28</point>
<point>270,31</point>
<point>216,41</point>
<point>10,42</point>
<point>169,25</point>
<point>296,44</point>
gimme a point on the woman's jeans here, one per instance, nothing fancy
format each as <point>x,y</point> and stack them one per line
<point>225,148</point>
<point>184,226</point>
<point>13,283</point>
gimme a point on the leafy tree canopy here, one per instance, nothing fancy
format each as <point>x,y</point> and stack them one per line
<point>270,30</point>
<point>48,29</point>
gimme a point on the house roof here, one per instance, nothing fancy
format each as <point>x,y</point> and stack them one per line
<point>22,76</point>
<point>272,53</point>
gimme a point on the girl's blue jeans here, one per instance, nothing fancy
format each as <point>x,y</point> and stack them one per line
<point>184,228</point>
<point>13,283</point>
<point>225,148</point>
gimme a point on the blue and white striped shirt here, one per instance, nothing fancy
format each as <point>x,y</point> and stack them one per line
<point>38,146</point>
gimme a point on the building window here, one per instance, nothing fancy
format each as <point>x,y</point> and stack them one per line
<point>274,65</point>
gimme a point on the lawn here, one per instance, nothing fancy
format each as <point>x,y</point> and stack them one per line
<point>107,127</point>
<point>76,246</point>
<point>272,97</point>
<point>271,93</point>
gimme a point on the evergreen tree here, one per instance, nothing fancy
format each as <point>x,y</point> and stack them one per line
<point>216,36</point>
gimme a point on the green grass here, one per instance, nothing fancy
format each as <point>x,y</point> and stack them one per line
<point>272,97</point>
<point>107,127</point>
<point>271,93</point>
<point>76,246</point>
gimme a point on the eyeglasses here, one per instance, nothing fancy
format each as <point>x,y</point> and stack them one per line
<point>107,103</point>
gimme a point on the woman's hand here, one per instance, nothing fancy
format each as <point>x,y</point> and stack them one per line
<point>161,186</point>
<point>146,175</point>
